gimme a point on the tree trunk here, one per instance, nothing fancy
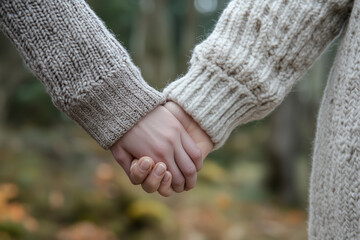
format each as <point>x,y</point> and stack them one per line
<point>283,150</point>
<point>188,39</point>
<point>152,43</point>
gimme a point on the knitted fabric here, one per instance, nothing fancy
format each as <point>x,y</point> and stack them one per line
<point>88,74</point>
<point>252,59</point>
<point>241,72</point>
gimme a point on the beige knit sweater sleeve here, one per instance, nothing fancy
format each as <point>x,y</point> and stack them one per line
<point>257,51</point>
<point>88,74</point>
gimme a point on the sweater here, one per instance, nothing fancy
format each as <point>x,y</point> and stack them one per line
<point>241,72</point>
<point>252,59</point>
<point>86,71</point>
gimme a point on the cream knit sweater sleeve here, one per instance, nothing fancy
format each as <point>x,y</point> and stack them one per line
<point>257,51</point>
<point>88,74</point>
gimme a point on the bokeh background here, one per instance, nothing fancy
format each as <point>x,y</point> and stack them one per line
<point>57,183</point>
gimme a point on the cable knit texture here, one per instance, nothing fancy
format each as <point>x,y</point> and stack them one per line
<point>245,68</point>
<point>88,74</point>
<point>252,59</point>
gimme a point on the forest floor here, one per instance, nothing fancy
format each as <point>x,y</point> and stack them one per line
<point>59,184</point>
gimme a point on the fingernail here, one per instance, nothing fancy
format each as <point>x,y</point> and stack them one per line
<point>133,164</point>
<point>166,177</point>
<point>145,164</point>
<point>160,169</point>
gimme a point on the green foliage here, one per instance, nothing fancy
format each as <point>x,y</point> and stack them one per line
<point>30,104</point>
<point>14,230</point>
<point>66,186</point>
<point>119,16</point>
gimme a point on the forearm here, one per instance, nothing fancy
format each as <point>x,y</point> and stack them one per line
<point>251,60</point>
<point>88,74</point>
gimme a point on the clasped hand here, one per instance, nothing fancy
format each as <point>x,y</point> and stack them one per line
<point>170,146</point>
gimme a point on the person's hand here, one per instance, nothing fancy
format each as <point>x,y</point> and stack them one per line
<point>152,177</point>
<point>199,136</point>
<point>162,137</point>
<point>149,180</point>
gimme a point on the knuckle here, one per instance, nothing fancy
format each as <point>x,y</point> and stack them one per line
<point>161,151</point>
<point>178,190</point>
<point>178,182</point>
<point>133,181</point>
<point>165,193</point>
<point>190,171</point>
<point>197,155</point>
<point>171,137</point>
<point>148,188</point>
<point>161,156</point>
<point>136,180</point>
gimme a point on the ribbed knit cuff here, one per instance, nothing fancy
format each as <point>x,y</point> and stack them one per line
<point>87,72</point>
<point>112,108</point>
<point>217,102</point>
<point>252,59</point>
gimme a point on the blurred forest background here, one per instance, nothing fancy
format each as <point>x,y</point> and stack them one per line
<point>57,183</point>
